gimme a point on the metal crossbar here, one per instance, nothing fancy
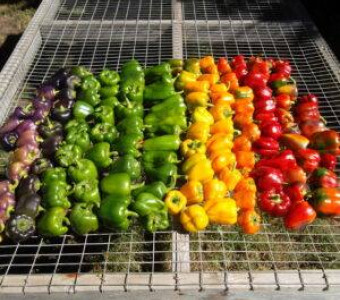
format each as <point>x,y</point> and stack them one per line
<point>101,34</point>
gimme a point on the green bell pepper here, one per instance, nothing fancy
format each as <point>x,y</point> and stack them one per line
<point>80,71</point>
<point>84,169</point>
<point>87,191</point>
<point>90,83</point>
<point>100,155</point>
<point>104,114</point>
<point>108,77</point>
<point>80,138</point>
<point>68,154</point>
<point>55,194</point>
<point>164,142</point>
<point>125,111</point>
<point>168,124</point>
<point>53,174</point>
<point>157,91</point>
<point>117,184</point>
<point>82,219</point>
<point>78,125</point>
<point>110,101</point>
<point>103,132</point>
<point>157,188</point>
<point>158,158</point>
<point>82,109</point>
<point>127,164</point>
<point>166,173</point>
<point>156,73</point>
<point>172,104</point>
<point>89,96</point>
<point>156,221</point>
<point>53,222</point>
<point>129,144</point>
<point>131,124</point>
<point>115,214</point>
<point>109,91</point>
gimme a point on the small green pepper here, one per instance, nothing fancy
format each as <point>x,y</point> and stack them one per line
<point>157,72</point>
<point>80,71</point>
<point>100,155</point>
<point>55,194</point>
<point>87,191</point>
<point>157,188</point>
<point>108,77</point>
<point>81,110</point>
<point>164,142</point>
<point>168,124</point>
<point>129,144</point>
<point>89,96</point>
<point>131,124</point>
<point>103,132</point>
<point>157,158</point>
<point>84,169</point>
<point>78,125</point>
<point>90,83</point>
<point>68,154</point>
<point>117,184</point>
<point>157,91</point>
<point>109,91</point>
<point>125,111</point>
<point>104,114</point>
<point>169,104</point>
<point>82,219</point>
<point>80,138</point>
<point>110,101</point>
<point>156,221</point>
<point>166,173</point>
<point>52,174</point>
<point>127,164</point>
<point>53,222</point>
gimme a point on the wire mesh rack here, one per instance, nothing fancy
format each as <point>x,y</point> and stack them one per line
<point>101,34</point>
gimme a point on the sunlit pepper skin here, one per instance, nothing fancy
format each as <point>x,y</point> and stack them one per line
<point>299,216</point>
<point>244,92</point>
<point>194,218</point>
<point>222,98</point>
<point>192,65</point>
<point>230,177</point>
<point>328,161</point>
<point>197,99</point>
<point>175,202</point>
<point>322,177</point>
<point>197,86</point>
<point>326,201</point>
<point>231,80</point>
<point>222,159</point>
<point>206,62</point>
<point>190,147</point>
<point>223,126</point>
<point>294,141</point>
<point>183,78</point>
<point>201,114</point>
<point>218,142</point>
<point>223,65</point>
<point>326,142</point>
<point>308,159</point>
<point>199,131</point>
<point>245,160</point>
<point>211,78</point>
<point>221,211</point>
<point>214,189</point>
<point>193,191</point>
<point>202,171</point>
<point>275,203</point>
<point>249,220</point>
<point>220,112</point>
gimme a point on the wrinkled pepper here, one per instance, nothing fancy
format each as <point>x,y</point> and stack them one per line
<point>53,222</point>
<point>82,219</point>
<point>221,211</point>
<point>194,218</point>
<point>175,202</point>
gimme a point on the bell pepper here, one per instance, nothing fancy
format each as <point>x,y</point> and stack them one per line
<point>68,154</point>
<point>244,92</point>
<point>117,184</point>
<point>245,198</point>
<point>222,98</point>
<point>104,114</point>
<point>103,132</point>
<point>193,191</point>
<point>231,80</point>
<point>55,194</point>
<point>296,191</point>
<point>84,169</point>
<point>197,99</point>
<point>156,73</point>
<point>109,91</point>
<point>165,142</point>
<point>49,128</point>
<point>309,128</point>
<point>201,114</point>
<point>171,123</point>
<point>156,221</point>
<point>249,220</point>
<point>108,77</point>
<point>328,161</point>
<point>110,101</point>
<point>245,160</point>
<point>53,222</point>
<point>255,80</point>
<point>243,106</point>
<point>288,89</point>
<point>265,146</point>
<point>221,159</point>
<point>29,203</point>
<point>267,178</point>
<point>223,126</point>
<point>82,219</point>
<point>326,201</point>
<point>183,78</point>
<point>220,112</point>
<point>284,116</point>
<point>156,158</point>
<point>197,86</point>
<point>132,82</point>
<point>223,65</point>
<point>326,142</point>
<point>212,78</point>
<point>81,138</point>
<point>175,201</point>
<point>308,159</point>
<point>192,65</point>
<point>100,155</point>
<point>156,188</point>
<point>271,129</point>
<point>251,131</point>
<point>299,216</point>
<point>294,141</point>
<point>264,116</point>
<point>214,189</point>
<point>129,144</point>
<point>325,178</point>
<point>91,97</point>
<point>87,191</point>
<point>90,83</point>
<point>169,104</point>
<point>77,125</point>
<point>206,61</point>
<point>176,65</point>
<point>131,124</point>
<point>190,147</point>
<point>295,175</point>
<point>82,109</point>
<point>131,109</point>
<point>198,131</point>
<point>129,165</point>
<point>230,177</point>
<point>52,174</point>
<point>275,203</point>
<point>283,101</point>
<point>167,173</point>
<point>80,71</point>
<point>194,218</point>
<point>192,161</point>
<point>20,227</point>
<point>309,98</point>
<point>241,143</point>
<point>114,212</point>
<point>40,165</point>
<point>158,91</point>
<point>222,211</point>
<point>283,161</point>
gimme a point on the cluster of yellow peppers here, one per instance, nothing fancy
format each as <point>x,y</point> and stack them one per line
<point>215,164</point>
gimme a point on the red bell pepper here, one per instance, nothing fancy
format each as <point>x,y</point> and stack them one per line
<point>265,105</point>
<point>238,60</point>
<point>296,191</point>
<point>265,116</point>
<point>308,128</point>
<point>261,66</point>
<point>326,141</point>
<point>323,177</point>
<point>308,159</point>
<point>275,203</point>
<point>299,215</point>
<point>283,101</point>
<point>284,116</point>
<point>240,71</point>
<point>310,114</point>
<point>326,201</point>
<point>266,146</point>
<point>271,129</point>
<point>328,161</point>
<point>255,80</point>
<point>278,79</point>
<point>263,93</point>
<point>295,175</point>
<point>310,98</point>
<point>282,67</point>
<point>267,178</point>
<point>283,161</point>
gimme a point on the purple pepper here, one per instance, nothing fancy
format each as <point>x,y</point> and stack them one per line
<point>65,103</point>
<point>8,140</point>
<point>24,112</point>
<point>47,91</point>
<point>16,170</point>
<point>4,186</point>
<point>25,126</point>
<point>28,137</point>
<point>9,125</point>
<point>7,204</point>
<point>40,114</point>
<point>26,154</point>
<point>42,103</point>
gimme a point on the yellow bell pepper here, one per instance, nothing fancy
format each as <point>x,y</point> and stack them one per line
<point>201,114</point>
<point>214,189</point>
<point>198,131</point>
<point>192,160</point>
<point>221,142</point>
<point>244,92</point>
<point>202,171</point>
<point>224,126</point>
<point>191,147</point>
<point>194,218</point>
<point>230,177</point>
<point>197,99</point>
<point>218,87</point>
<point>193,191</point>
<point>184,78</point>
<point>221,211</point>
<point>175,202</point>
<point>197,86</point>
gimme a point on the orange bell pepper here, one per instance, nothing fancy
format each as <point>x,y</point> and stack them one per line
<point>249,220</point>
<point>193,191</point>
<point>222,142</point>
<point>198,131</point>
<point>223,65</point>
<point>246,184</point>
<point>231,80</point>
<point>211,78</point>
<point>206,61</point>
<point>245,160</point>
<point>222,159</point>
<point>244,92</point>
<point>245,199</point>
<point>223,126</point>
<point>197,86</point>
<point>214,189</point>
<point>251,131</point>
<point>242,106</point>
<point>194,218</point>
<point>218,88</point>
<point>242,120</point>
<point>212,69</point>
<point>230,177</point>
<point>220,112</point>
<point>242,143</point>
<point>219,98</point>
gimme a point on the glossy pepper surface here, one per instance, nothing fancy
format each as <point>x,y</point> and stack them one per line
<point>194,218</point>
<point>214,189</point>
<point>87,191</point>
<point>129,144</point>
<point>53,222</point>
<point>249,220</point>
<point>82,219</point>
<point>326,201</point>
<point>127,164</point>
<point>275,203</point>
<point>55,194</point>
<point>326,141</point>
<point>84,169</point>
<point>221,211</point>
<point>299,216</point>
<point>103,132</point>
<point>82,109</point>
<point>100,154</point>
<point>157,188</point>
<point>117,184</point>
<point>156,158</point>
<point>193,191</point>
<point>80,138</point>
<point>68,154</point>
<point>167,173</point>
<point>164,142</point>
<point>175,202</point>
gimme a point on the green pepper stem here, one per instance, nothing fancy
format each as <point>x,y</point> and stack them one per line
<point>137,185</point>
<point>131,214</point>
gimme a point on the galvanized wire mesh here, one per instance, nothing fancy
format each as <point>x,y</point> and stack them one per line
<point>101,34</point>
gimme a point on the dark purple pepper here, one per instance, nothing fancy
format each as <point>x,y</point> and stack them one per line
<point>40,165</point>
<point>49,128</point>
<point>61,114</point>
<point>47,91</point>
<point>10,125</point>
<point>26,125</point>
<point>50,145</point>
<point>42,103</point>
<point>67,94</point>
<point>24,112</point>
<point>64,103</point>
<point>26,154</point>
<point>28,137</point>
<point>59,78</point>
<point>9,140</point>
<point>28,185</point>
<point>40,115</point>
<point>16,171</point>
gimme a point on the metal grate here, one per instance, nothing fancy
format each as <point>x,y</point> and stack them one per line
<point>107,33</point>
